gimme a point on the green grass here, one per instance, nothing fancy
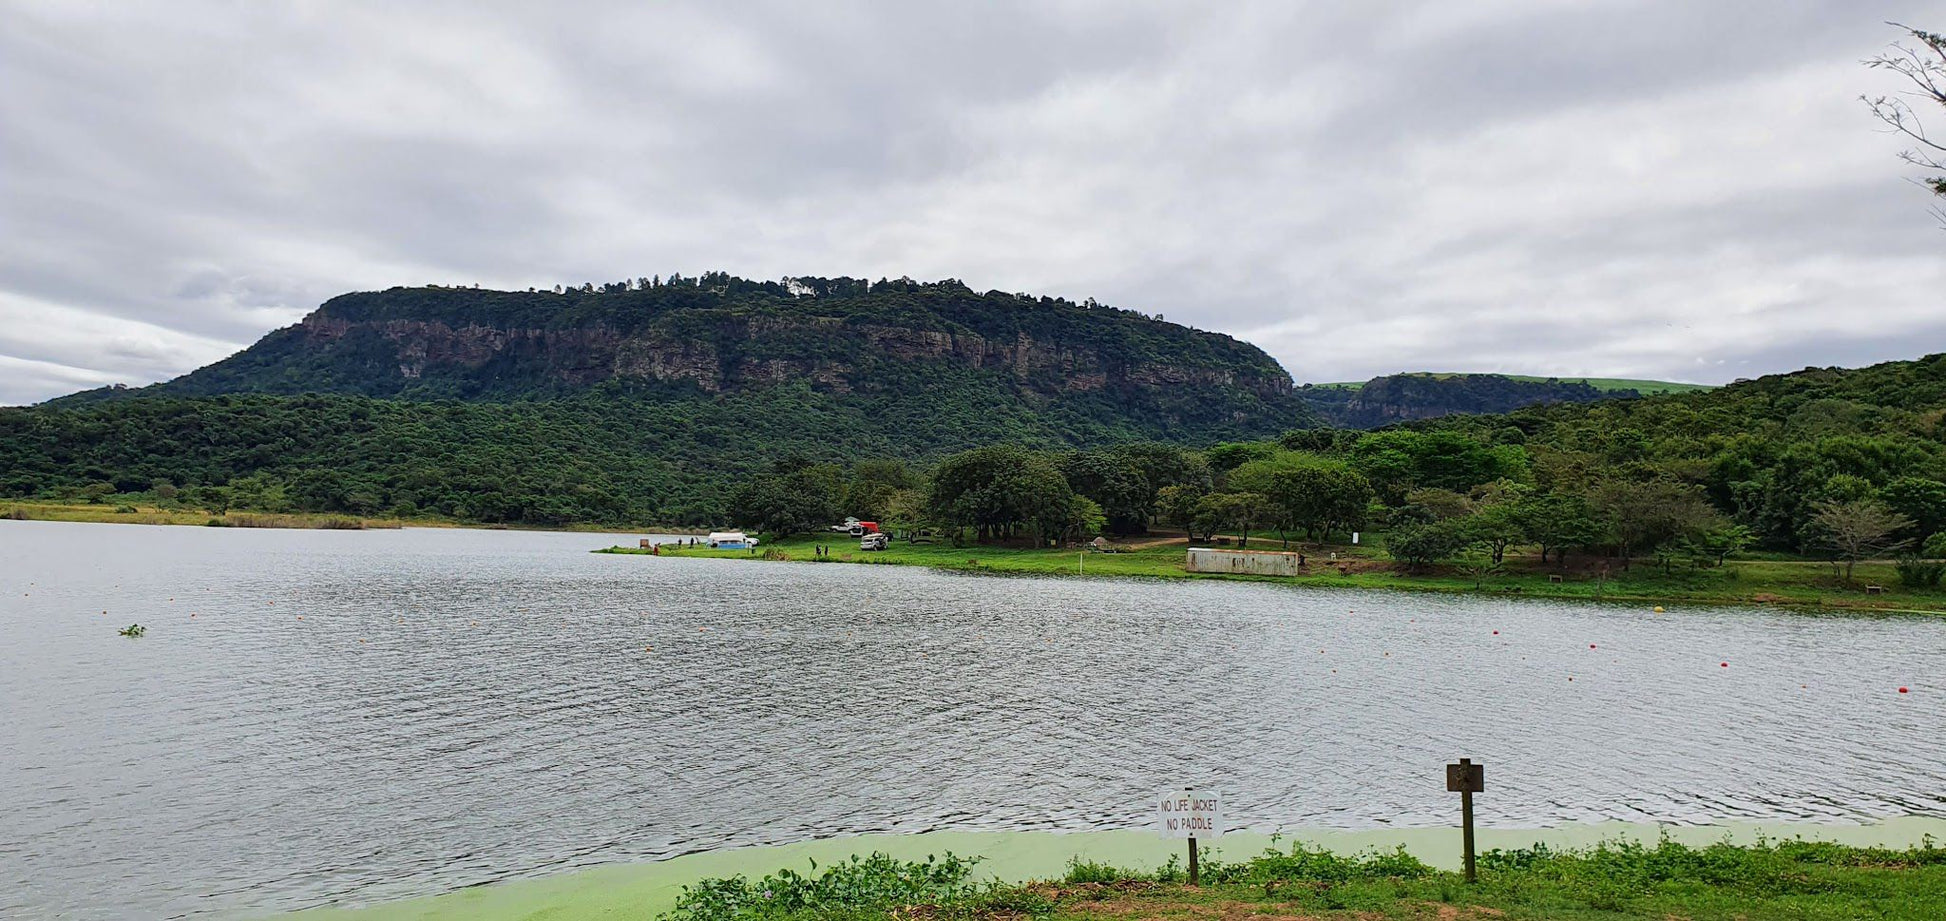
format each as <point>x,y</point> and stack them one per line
<point>1644,387</point>
<point>1797,880</point>
<point>147,513</point>
<point>1762,581</point>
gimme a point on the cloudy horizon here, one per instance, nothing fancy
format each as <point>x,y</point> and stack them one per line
<point>1603,188</point>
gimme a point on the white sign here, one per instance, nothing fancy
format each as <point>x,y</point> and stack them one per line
<point>1189,814</point>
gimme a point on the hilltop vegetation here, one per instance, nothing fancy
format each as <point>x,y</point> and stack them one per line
<point>1405,397</point>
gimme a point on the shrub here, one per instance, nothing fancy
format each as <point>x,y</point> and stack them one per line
<point>1920,573</point>
<point>1088,871</point>
<point>856,886</point>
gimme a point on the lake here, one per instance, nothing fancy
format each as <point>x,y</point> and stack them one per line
<point>319,717</point>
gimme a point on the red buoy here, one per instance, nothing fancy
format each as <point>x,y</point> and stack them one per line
<point>1496,633</point>
<point>1591,645</point>
<point>1902,690</point>
<point>1726,665</point>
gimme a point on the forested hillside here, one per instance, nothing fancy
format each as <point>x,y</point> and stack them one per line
<point>1766,453</point>
<point>1394,398</point>
<point>1846,465</point>
<point>636,402</point>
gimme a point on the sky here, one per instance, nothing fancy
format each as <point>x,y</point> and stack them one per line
<point>1678,190</point>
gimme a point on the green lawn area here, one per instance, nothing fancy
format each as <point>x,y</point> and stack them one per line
<point>1761,581</point>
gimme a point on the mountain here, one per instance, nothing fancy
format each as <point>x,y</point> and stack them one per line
<point>640,401</point>
<point>846,338</point>
<point>1407,397</point>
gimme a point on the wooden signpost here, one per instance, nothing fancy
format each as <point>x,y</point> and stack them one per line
<point>1189,814</point>
<point>1466,779</point>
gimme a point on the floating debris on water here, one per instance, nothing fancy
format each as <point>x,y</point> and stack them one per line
<point>132,629</point>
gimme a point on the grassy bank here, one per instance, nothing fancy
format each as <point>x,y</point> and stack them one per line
<point>1623,879</point>
<point>100,513</point>
<point>1765,581</point>
<point>648,889</point>
<point>149,514</point>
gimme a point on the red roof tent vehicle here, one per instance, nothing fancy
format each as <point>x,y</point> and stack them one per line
<point>869,527</point>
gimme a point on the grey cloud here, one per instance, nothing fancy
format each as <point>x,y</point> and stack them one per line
<point>1654,188</point>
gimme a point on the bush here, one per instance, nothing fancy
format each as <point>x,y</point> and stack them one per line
<point>856,886</point>
<point>1919,573</point>
<point>1319,865</point>
<point>1088,871</point>
<point>1420,546</point>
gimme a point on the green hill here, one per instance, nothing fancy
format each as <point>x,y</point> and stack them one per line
<point>1425,395</point>
<point>1643,387</point>
<point>638,401</point>
<point>1634,386</point>
<point>1764,451</point>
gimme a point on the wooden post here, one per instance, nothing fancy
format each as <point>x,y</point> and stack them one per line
<point>1195,875</point>
<point>1466,778</point>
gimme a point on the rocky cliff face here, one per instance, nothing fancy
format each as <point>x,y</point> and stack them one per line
<point>718,337</point>
<point>746,352</point>
<point>431,343</point>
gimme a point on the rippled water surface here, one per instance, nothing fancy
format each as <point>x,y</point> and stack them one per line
<point>320,717</point>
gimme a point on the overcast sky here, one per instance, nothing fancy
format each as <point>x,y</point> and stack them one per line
<point>1671,189</point>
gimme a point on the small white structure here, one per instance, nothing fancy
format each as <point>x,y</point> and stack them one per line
<point>1246,562</point>
<point>730,540</point>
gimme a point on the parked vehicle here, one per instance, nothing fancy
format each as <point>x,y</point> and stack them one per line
<point>874,541</point>
<point>730,540</point>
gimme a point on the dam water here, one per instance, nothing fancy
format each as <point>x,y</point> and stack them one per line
<point>323,717</point>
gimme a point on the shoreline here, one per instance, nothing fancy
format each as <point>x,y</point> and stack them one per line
<point>83,513</point>
<point>646,889</point>
<point>1770,586</point>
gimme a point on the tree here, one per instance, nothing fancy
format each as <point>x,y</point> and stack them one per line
<point>1081,519</point>
<point>1000,491</point>
<point>1857,530</point>
<point>1420,546</point>
<point>1115,483</point>
<point>1924,68</point>
<point>1238,511</point>
<point>873,483</point>
<point>1178,505</point>
<point>1920,499</point>
<point>1558,523</point>
<point>792,501</point>
<point>1307,494</point>
<point>1645,516</point>
<point>1495,528</point>
<point>1713,546</point>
